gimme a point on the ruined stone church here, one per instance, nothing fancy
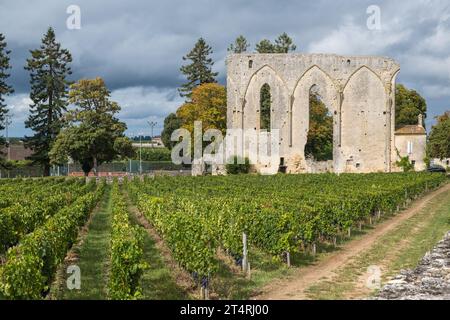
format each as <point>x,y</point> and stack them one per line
<point>359,93</point>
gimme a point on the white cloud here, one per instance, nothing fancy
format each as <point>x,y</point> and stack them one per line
<point>142,104</point>
<point>137,46</point>
<point>353,38</point>
<point>18,106</point>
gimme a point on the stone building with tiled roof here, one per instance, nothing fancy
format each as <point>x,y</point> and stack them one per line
<point>411,141</point>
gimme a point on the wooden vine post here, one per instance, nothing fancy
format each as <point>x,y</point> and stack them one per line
<point>244,253</point>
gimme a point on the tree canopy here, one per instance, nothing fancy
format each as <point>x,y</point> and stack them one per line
<point>320,134</point>
<point>171,123</point>
<point>199,70</point>
<point>49,68</point>
<point>5,89</point>
<point>208,105</point>
<point>240,45</point>
<point>439,139</point>
<point>408,105</point>
<point>283,44</point>
<point>92,134</point>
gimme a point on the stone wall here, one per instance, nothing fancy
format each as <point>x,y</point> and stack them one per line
<point>358,91</point>
<point>429,281</point>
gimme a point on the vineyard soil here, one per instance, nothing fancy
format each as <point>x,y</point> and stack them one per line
<point>297,285</point>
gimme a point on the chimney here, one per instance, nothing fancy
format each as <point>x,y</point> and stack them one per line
<point>420,120</point>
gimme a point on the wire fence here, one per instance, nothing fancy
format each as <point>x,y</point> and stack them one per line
<point>124,167</point>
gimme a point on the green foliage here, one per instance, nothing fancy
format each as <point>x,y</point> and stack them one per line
<point>265,46</point>
<point>187,235</point>
<point>240,45</point>
<point>171,123</point>
<point>319,144</point>
<point>127,249</point>
<point>153,154</point>
<point>409,104</point>
<point>30,266</point>
<point>239,166</point>
<point>23,213</point>
<point>199,70</point>
<point>48,67</point>
<point>279,214</point>
<point>208,105</point>
<point>265,107</point>
<point>5,89</point>
<point>427,160</point>
<point>405,164</point>
<point>439,140</point>
<point>92,134</point>
<point>283,44</point>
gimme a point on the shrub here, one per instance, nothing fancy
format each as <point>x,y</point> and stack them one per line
<point>153,154</point>
<point>239,166</point>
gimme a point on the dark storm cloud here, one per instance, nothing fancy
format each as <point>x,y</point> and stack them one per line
<point>136,46</point>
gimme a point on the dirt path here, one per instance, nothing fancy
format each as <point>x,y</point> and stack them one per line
<point>294,287</point>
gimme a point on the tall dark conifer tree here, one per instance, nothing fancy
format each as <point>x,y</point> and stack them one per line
<point>49,68</point>
<point>199,70</point>
<point>240,45</point>
<point>5,89</point>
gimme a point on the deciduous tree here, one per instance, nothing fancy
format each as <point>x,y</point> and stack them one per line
<point>320,134</point>
<point>209,105</point>
<point>439,140</point>
<point>171,123</point>
<point>92,134</point>
<point>408,105</point>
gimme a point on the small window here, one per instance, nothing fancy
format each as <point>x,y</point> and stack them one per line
<point>250,64</point>
<point>413,162</point>
<point>409,147</point>
<point>358,165</point>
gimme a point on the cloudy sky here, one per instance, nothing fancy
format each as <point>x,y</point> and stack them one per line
<point>137,46</point>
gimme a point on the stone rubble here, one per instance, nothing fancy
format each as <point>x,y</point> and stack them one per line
<point>429,281</point>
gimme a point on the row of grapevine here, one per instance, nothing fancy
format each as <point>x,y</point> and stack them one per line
<point>20,189</point>
<point>127,243</point>
<point>30,266</point>
<point>279,214</point>
<point>33,209</point>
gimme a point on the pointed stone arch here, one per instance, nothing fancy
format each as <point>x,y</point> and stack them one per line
<point>362,68</point>
<point>364,123</point>
<point>279,94</point>
<point>279,104</point>
<point>299,123</point>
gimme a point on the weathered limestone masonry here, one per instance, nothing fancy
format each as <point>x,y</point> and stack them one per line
<point>429,281</point>
<point>358,91</point>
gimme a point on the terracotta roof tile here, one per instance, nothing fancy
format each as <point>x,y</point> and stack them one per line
<point>410,129</point>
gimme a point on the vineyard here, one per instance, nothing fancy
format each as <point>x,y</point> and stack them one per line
<point>195,217</point>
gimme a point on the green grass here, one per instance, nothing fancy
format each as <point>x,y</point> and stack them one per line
<point>427,238</point>
<point>234,285</point>
<point>400,248</point>
<point>231,285</point>
<point>93,256</point>
<point>157,281</point>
